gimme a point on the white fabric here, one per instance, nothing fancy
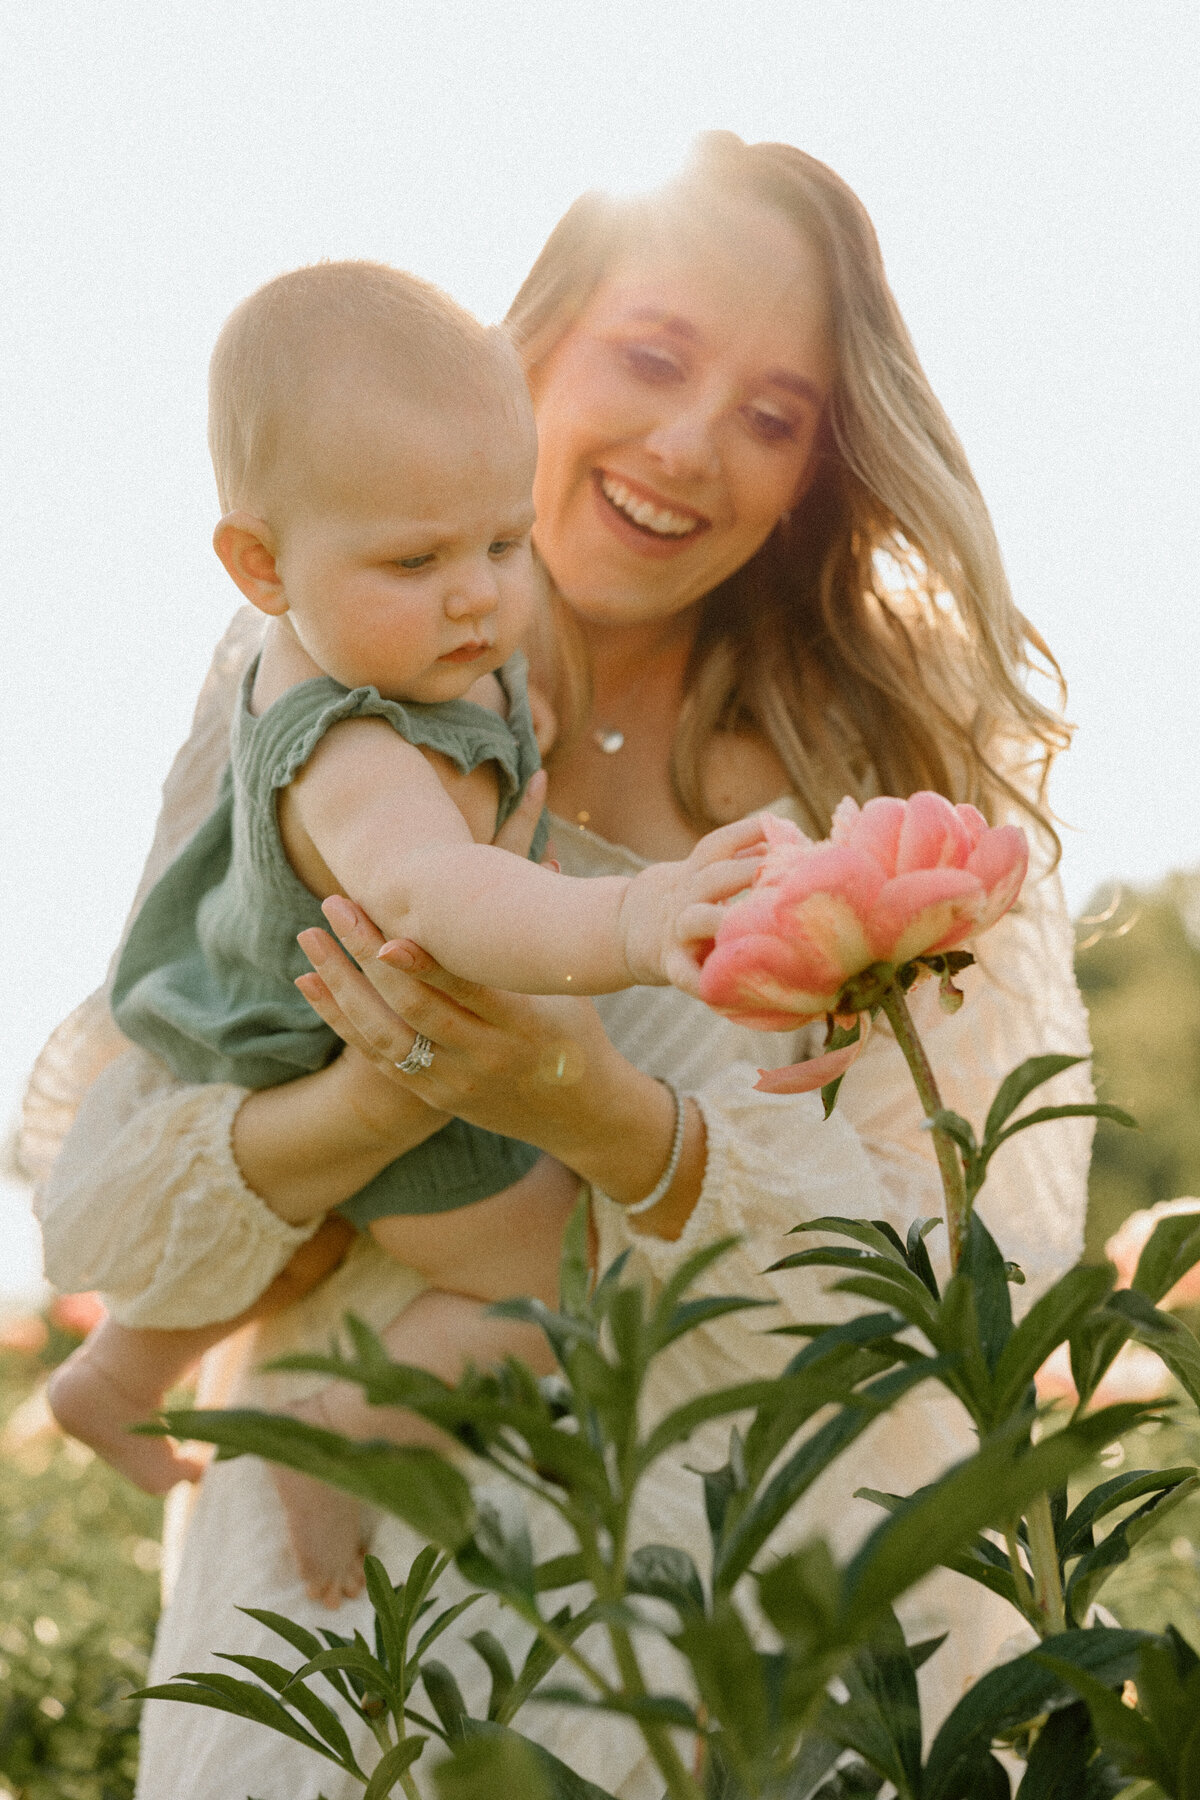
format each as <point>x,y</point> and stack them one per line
<point>146,1202</point>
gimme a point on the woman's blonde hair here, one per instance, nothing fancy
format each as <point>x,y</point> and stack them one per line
<point>873,639</point>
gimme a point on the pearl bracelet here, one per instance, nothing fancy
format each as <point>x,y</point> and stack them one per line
<point>659,1191</point>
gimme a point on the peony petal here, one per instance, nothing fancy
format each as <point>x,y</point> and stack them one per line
<point>805,1077</point>
<point>933,836</point>
<point>755,981</point>
<point>929,909</point>
<point>1001,861</point>
<point>877,831</point>
<point>974,822</point>
<point>845,814</point>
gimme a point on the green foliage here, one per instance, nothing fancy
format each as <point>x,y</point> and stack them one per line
<point>78,1601</point>
<point>1141,980</point>
<point>760,1717</point>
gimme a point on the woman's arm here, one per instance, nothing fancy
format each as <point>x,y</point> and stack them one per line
<point>538,1069</point>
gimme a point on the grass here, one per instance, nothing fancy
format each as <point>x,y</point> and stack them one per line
<point>78,1603</point>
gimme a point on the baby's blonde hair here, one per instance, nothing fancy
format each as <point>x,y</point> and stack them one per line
<point>279,349</point>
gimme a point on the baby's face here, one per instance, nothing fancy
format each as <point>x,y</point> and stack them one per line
<point>405,555</point>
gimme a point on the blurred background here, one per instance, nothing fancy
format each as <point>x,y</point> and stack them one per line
<point>1032,171</point>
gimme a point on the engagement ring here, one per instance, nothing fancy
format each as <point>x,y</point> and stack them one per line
<point>418,1058</point>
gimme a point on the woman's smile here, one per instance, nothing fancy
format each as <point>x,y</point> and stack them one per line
<point>678,415</point>
<point>646,520</point>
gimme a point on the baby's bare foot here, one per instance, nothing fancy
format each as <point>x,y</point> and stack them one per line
<point>325,1525</point>
<point>91,1403</point>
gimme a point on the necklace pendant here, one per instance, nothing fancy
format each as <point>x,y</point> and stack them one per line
<point>608,739</point>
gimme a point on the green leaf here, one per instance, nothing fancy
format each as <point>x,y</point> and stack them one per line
<point>1126,1736</point>
<point>1017,1692</point>
<point>391,1766</point>
<point>416,1485</point>
<point>667,1573</point>
<point>300,1640</point>
<point>1018,1086</point>
<point>771,1505</point>
<point>494,1762</point>
<point>1050,1321</point>
<point>442,1623</point>
<point>1092,1109</point>
<point>559,1572</point>
<point>691,1314</point>
<point>685,1276</point>
<point>864,1231</point>
<point>1095,1567</point>
<point>982,1264</point>
<point>382,1596</point>
<point>445,1696</point>
<point>322,1718</point>
<point>1167,1336</point>
<point>489,1647</point>
<point>244,1699</point>
<point>881,1718</point>
<point>353,1659</point>
<point>986,1489</point>
<point>574,1269</point>
<point>728,1672</point>
<point>1170,1252</point>
<point>893,1281</point>
<point>1058,1763</point>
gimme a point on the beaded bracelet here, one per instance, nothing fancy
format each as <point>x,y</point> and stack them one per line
<point>658,1192</point>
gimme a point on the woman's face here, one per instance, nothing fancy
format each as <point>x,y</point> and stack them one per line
<point>677,417</point>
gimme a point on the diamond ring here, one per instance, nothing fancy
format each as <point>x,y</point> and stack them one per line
<point>418,1058</point>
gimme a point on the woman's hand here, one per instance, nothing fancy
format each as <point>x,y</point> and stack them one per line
<point>536,1068</point>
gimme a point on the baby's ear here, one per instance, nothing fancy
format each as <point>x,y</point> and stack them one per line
<point>246,546</point>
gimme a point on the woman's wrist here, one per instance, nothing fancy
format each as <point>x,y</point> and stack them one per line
<point>307,1145</point>
<point>622,1144</point>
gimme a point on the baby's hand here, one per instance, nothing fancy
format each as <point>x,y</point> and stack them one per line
<point>671,911</point>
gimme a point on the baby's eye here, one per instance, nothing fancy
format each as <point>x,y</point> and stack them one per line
<point>774,427</point>
<point>415,562</point>
<point>504,546</point>
<point>650,363</point>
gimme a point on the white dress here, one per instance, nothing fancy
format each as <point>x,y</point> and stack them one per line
<point>144,1201</point>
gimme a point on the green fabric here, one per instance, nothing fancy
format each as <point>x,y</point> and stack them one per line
<point>205,979</point>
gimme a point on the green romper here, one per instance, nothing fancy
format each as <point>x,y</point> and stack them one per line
<point>205,977</point>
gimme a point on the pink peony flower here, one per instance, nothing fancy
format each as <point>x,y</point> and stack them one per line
<point>895,879</point>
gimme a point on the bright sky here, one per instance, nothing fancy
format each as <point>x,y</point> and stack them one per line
<point>1032,172</point>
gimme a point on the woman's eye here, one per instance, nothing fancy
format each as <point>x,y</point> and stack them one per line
<point>651,364</point>
<point>774,427</point>
<point>415,562</point>
<point>503,546</point>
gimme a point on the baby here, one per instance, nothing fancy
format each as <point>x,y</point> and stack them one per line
<point>374,451</point>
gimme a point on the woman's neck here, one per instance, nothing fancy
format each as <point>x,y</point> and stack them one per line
<point>626,660</point>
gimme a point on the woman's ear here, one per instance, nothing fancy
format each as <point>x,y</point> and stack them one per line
<point>246,546</point>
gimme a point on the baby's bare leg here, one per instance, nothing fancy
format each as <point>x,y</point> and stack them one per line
<point>505,1245</point>
<point>119,1376</point>
<point>508,1244</point>
<point>441,1332</point>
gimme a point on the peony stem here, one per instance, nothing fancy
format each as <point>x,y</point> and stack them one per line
<point>1047,1582</point>
<point>895,1009</point>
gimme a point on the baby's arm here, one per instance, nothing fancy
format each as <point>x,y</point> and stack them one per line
<point>370,816</point>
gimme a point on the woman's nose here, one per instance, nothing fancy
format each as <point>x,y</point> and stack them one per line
<point>685,439</point>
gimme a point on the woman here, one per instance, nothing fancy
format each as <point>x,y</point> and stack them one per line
<point>778,584</point>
